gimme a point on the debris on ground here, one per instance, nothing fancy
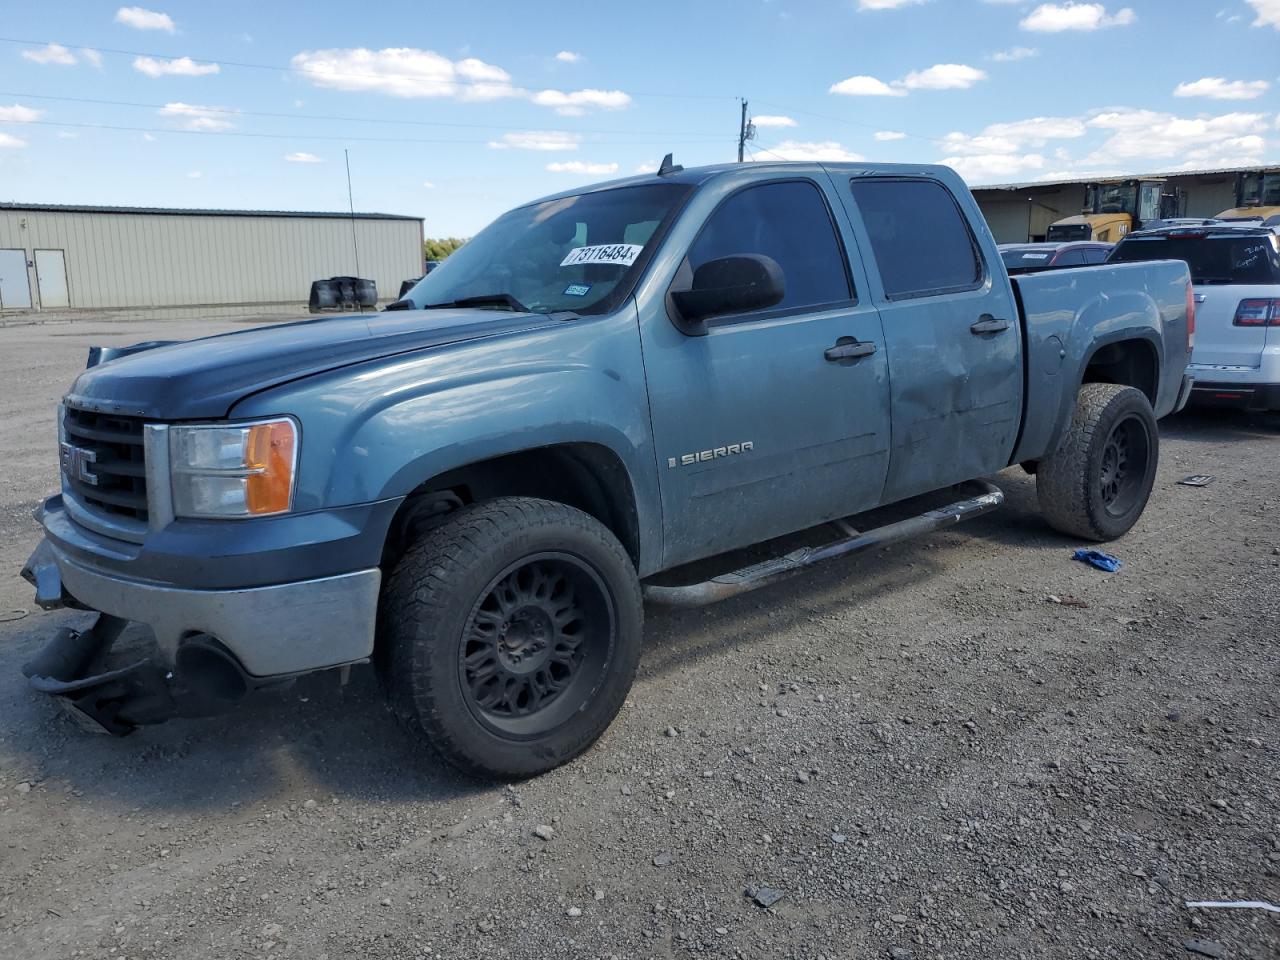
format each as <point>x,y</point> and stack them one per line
<point>8,615</point>
<point>1067,601</point>
<point>1205,948</point>
<point>1233,905</point>
<point>1096,558</point>
<point>764,896</point>
<point>662,860</point>
<point>1197,480</point>
<point>544,832</point>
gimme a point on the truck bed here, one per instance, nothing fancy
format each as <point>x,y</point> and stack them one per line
<point>1070,317</point>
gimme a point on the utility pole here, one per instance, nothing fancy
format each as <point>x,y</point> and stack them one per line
<point>351,206</point>
<point>744,131</point>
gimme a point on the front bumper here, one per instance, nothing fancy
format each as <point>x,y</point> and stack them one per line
<point>281,629</point>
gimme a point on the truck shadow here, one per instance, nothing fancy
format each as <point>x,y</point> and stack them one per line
<point>1214,425</point>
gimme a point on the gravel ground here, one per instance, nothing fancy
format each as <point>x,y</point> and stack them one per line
<point>918,750</point>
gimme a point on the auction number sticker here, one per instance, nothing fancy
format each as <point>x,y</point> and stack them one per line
<point>623,254</point>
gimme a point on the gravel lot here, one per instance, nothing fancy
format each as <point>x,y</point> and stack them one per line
<point>922,753</point>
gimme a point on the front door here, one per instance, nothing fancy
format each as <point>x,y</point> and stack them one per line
<point>774,420</point>
<point>951,328</point>
<point>15,289</point>
<point>51,279</point>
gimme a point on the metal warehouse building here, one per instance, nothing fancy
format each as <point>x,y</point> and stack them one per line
<point>1018,212</point>
<point>54,257</point>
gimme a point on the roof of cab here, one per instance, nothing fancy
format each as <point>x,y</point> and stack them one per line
<point>695,176</point>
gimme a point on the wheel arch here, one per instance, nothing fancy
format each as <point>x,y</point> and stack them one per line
<point>1130,361</point>
<point>590,477</point>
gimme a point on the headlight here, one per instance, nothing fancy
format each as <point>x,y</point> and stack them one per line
<point>233,469</point>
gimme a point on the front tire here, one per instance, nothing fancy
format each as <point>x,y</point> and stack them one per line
<point>510,635</point>
<point>1097,483</point>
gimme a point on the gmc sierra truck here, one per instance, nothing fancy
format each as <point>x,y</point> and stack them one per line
<point>476,488</point>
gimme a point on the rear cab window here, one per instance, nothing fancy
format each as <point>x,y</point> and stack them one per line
<point>921,241</point>
<point>1212,258</point>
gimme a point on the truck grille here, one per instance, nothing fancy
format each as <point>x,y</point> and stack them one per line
<point>105,465</point>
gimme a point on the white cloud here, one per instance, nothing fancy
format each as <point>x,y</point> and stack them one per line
<point>18,114</point>
<point>575,102</point>
<point>1036,130</point>
<point>179,67</point>
<point>148,137</point>
<point>301,156</point>
<point>404,72</point>
<point>886,135</point>
<point>772,120</point>
<point>93,57</point>
<point>944,76</point>
<point>1057,17</point>
<point>51,53</point>
<point>941,76</point>
<point>140,18</point>
<point>194,175</point>
<point>1151,135</point>
<point>1216,88</point>
<point>190,116</point>
<point>537,140</point>
<point>578,166</point>
<point>988,168</point>
<point>1014,53</point>
<point>568,56</point>
<point>885,4</point>
<point>1268,12</point>
<point>9,142</point>
<point>864,86</point>
<point>428,184</point>
<point>821,152</point>
<point>67,135</point>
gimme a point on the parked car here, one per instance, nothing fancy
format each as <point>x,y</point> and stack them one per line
<point>1030,257</point>
<point>1235,269</point>
<point>476,489</point>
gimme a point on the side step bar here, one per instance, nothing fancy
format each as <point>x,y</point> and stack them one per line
<point>770,571</point>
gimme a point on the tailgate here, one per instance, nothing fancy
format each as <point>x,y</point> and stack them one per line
<point>1219,341</point>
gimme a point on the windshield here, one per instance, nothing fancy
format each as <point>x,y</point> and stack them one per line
<point>1111,198</point>
<point>1260,190</point>
<point>1251,260</point>
<point>580,253</point>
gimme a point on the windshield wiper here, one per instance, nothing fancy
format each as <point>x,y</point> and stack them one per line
<point>484,300</point>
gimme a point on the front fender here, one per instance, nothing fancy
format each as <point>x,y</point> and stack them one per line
<point>377,430</point>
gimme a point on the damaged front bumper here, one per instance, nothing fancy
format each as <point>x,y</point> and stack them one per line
<point>214,646</point>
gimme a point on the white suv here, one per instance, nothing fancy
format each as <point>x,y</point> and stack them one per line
<point>1235,270</point>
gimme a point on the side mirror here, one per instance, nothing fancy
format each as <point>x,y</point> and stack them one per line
<point>738,284</point>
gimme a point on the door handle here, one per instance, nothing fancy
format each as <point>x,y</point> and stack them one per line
<point>988,324</point>
<point>849,349</point>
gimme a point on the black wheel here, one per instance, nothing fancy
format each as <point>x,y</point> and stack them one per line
<point>509,635</point>
<point>1097,483</point>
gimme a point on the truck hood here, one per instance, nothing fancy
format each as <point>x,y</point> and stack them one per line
<point>203,379</point>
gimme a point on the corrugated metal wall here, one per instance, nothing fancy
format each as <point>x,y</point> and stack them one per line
<point>153,260</point>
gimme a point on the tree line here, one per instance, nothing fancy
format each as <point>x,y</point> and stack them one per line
<point>440,247</point>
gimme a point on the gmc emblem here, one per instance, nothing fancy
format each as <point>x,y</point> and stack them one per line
<point>76,462</point>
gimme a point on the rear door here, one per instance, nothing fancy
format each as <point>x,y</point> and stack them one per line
<point>951,328</point>
<point>15,289</point>
<point>777,419</point>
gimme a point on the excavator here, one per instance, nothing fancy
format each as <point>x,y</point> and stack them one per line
<point>1114,207</point>
<point>1257,197</point>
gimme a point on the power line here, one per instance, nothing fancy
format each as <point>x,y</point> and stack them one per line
<point>232,111</point>
<point>463,82</point>
<point>303,136</point>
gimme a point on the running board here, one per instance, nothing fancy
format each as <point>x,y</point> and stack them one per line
<point>770,571</point>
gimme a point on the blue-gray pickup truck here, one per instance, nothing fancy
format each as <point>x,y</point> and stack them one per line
<point>476,488</point>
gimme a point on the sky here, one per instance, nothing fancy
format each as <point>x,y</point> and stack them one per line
<point>456,112</point>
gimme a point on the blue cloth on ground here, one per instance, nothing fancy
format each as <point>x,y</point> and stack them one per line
<point>1096,558</point>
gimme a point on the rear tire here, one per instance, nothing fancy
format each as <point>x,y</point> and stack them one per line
<point>1097,483</point>
<point>509,635</point>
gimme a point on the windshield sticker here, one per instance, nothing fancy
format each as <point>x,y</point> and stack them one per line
<point>623,254</point>
<point>1035,256</point>
<point>577,289</point>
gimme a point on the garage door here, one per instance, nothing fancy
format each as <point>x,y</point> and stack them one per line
<point>15,290</point>
<point>51,279</point>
